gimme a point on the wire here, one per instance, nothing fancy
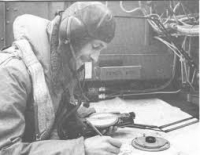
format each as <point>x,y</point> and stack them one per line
<point>160,28</point>
<point>193,76</point>
<point>184,66</point>
<point>106,3</point>
<point>128,11</point>
<point>176,7</point>
<point>149,93</point>
<point>182,60</point>
<point>183,7</point>
<point>171,46</point>
<point>153,25</point>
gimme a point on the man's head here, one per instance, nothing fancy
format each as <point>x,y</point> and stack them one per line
<point>88,27</point>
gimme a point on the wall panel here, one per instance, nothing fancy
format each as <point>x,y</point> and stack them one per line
<point>43,9</point>
<point>56,6</point>
<point>131,38</point>
<point>2,24</point>
<point>14,9</point>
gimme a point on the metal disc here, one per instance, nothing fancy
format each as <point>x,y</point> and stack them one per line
<point>142,143</point>
<point>103,120</point>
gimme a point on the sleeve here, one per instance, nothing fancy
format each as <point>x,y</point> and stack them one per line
<point>15,85</point>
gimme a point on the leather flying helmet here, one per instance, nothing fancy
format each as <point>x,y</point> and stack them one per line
<point>87,21</point>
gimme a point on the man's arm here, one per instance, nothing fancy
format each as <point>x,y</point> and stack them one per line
<point>15,86</point>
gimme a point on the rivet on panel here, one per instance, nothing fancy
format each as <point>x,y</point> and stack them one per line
<point>7,9</point>
<point>15,9</point>
<point>7,22</point>
<point>2,39</point>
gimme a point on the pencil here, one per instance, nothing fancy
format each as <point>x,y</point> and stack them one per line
<point>94,128</point>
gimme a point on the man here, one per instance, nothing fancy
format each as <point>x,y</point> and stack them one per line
<point>37,71</point>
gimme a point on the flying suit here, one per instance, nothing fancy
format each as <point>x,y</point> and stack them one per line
<point>16,97</point>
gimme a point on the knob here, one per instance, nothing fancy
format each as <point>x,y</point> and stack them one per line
<point>150,139</point>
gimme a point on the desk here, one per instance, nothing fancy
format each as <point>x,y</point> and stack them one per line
<point>157,112</point>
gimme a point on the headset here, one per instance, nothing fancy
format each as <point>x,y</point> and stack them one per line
<point>68,123</point>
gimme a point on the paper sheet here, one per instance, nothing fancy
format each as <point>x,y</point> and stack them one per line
<point>152,112</point>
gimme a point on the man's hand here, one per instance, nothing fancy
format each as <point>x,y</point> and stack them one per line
<point>111,130</point>
<point>84,112</point>
<point>104,145</point>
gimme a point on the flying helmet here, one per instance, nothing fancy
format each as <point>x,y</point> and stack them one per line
<point>87,21</point>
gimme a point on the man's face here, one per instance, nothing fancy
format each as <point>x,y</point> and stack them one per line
<point>90,52</point>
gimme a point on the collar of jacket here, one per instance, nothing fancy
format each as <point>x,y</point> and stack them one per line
<point>39,32</point>
<point>34,29</point>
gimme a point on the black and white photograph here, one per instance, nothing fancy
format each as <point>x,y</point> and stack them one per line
<point>99,77</point>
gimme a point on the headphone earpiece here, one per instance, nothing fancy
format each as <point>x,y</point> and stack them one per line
<point>72,28</point>
<point>77,29</point>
